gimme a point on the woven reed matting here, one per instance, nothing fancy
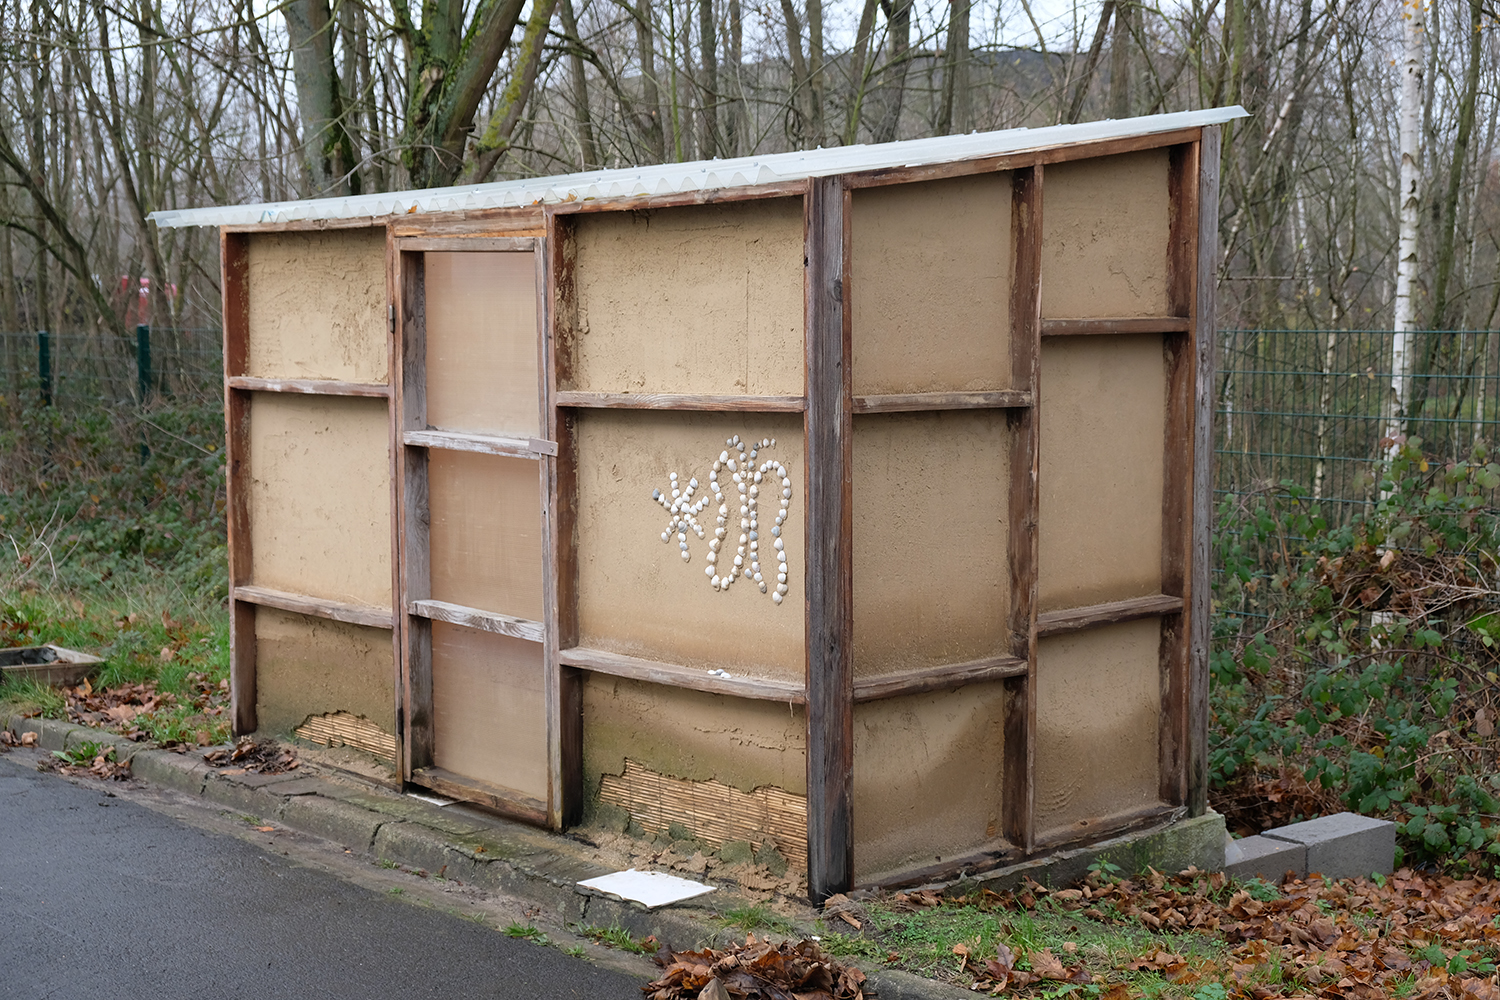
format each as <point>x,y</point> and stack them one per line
<point>341,729</point>
<point>716,813</point>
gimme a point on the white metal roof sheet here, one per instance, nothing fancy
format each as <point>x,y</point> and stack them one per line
<point>673,178</point>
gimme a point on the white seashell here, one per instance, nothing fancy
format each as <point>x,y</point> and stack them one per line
<point>723,509</point>
<point>781,588</point>
<point>708,571</point>
<point>714,545</point>
<point>744,522</point>
<point>785,503</point>
<point>672,476</point>
<point>682,545</point>
<point>777,598</point>
<point>712,558</point>
<point>786,492</point>
<point>754,491</point>
<point>693,483</point>
<point>776,530</point>
<point>685,556</point>
<point>666,536</point>
<point>739,560</point>
<point>781,557</point>
<point>778,545</point>
<point>715,582</point>
<point>757,574</point>
<point>720,531</point>
<point>731,466</point>
<point>762,588</point>
<point>743,539</point>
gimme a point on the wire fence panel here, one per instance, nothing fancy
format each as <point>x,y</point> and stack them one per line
<point>1312,406</point>
<point>77,368</point>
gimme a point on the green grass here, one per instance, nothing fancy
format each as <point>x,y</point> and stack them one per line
<point>747,919</point>
<point>616,937</point>
<point>526,932</point>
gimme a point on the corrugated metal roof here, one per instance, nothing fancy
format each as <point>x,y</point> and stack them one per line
<point>673,178</point>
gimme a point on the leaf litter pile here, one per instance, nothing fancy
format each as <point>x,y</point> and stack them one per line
<point>755,970</point>
<point>1412,935</point>
<point>135,710</point>
<point>251,755</point>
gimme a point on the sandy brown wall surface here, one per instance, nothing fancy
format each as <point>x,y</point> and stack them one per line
<point>691,300</point>
<point>931,576</point>
<point>692,735</point>
<point>931,286</point>
<point>308,666</point>
<point>318,305</point>
<point>636,595</point>
<point>1104,237</point>
<point>1097,717</point>
<point>1103,436</point>
<point>485,541</point>
<point>320,505</point>
<point>927,777</point>
<point>482,343</point>
<point>488,711</point>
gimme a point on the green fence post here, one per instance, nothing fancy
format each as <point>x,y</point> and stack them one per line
<point>143,360</point>
<point>44,365</point>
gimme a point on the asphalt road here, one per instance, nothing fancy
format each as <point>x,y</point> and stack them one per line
<point>101,897</point>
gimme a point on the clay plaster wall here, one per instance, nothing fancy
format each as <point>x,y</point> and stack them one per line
<point>931,578</point>
<point>308,666</point>
<point>691,300</point>
<point>488,711</point>
<point>931,286</point>
<point>1103,436</point>
<point>1097,717</point>
<point>635,594</point>
<point>927,777</point>
<point>318,305</point>
<point>485,541</point>
<point>482,343</point>
<point>320,504</point>
<point>1105,235</point>
<point>691,735</point>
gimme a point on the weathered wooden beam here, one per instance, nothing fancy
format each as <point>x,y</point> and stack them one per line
<point>1050,623</point>
<point>234,256</point>
<point>829,519</point>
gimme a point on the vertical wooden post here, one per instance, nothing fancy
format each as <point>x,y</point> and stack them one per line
<point>1018,785</point>
<point>234,285</point>
<point>830,572</point>
<point>1177,472</point>
<point>1205,336</point>
<point>393,299</point>
<point>414,557</point>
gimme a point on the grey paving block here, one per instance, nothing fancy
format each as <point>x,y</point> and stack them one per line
<point>183,772</point>
<point>1344,845</point>
<point>1262,857</point>
<point>260,802</point>
<point>339,822</point>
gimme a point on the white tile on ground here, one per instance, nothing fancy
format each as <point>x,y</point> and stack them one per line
<point>652,889</point>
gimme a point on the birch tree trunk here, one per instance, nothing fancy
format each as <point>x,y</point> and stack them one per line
<point>1404,320</point>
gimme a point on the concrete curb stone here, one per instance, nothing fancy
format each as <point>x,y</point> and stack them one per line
<point>1263,857</point>
<point>184,772</point>
<point>264,802</point>
<point>333,820</point>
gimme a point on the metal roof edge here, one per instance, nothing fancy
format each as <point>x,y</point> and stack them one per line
<point>672,178</point>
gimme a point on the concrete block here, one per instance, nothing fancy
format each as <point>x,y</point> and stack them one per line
<point>1344,845</point>
<point>413,845</point>
<point>262,803</point>
<point>1262,857</point>
<point>339,822</point>
<point>184,772</point>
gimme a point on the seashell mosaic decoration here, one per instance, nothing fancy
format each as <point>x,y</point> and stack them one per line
<point>748,484</point>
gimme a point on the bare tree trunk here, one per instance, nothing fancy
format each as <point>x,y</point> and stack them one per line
<point>953,115</point>
<point>708,47</point>
<point>1119,61</point>
<point>801,123</point>
<point>578,83</point>
<point>651,123</point>
<point>817,84</point>
<point>893,84</point>
<point>859,60</point>
<point>1090,63</point>
<point>1403,324</point>
<point>739,121</point>
<point>326,142</point>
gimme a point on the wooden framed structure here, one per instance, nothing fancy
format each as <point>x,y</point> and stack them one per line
<point>854,500</point>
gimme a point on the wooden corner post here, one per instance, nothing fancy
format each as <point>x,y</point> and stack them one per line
<point>1018,785</point>
<point>234,282</point>
<point>830,569</point>
<point>1205,337</point>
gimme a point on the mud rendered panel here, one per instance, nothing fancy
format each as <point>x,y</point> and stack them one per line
<point>927,777</point>
<point>931,286</point>
<point>1104,237</point>
<point>690,300</point>
<point>1097,716</point>
<point>320,504</point>
<point>486,532</point>
<point>1103,439</point>
<point>930,536</point>
<point>318,306</point>
<point>691,735</point>
<point>488,712</point>
<point>636,595</point>
<point>312,666</point>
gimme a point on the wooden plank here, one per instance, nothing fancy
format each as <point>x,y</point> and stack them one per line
<point>636,668</point>
<point>393,418</point>
<point>1177,470</point>
<point>1205,333</point>
<point>312,386</point>
<point>1093,831</point>
<point>829,518</point>
<point>562,623</point>
<point>680,401</point>
<point>1019,785</point>
<point>1019,160</point>
<point>909,402</point>
<point>415,559</point>
<point>944,678</point>
<point>234,287</point>
<point>1050,623</point>
<point>453,441</point>
<point>711,196</point>
<point>486,621</point>
<point>487,222</point>
<point>304,225</point>
<point>464,244</point>
<point>496,798</point>
<point>340,611</point>
<point>951,870</point>
<point>1121,325</point>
